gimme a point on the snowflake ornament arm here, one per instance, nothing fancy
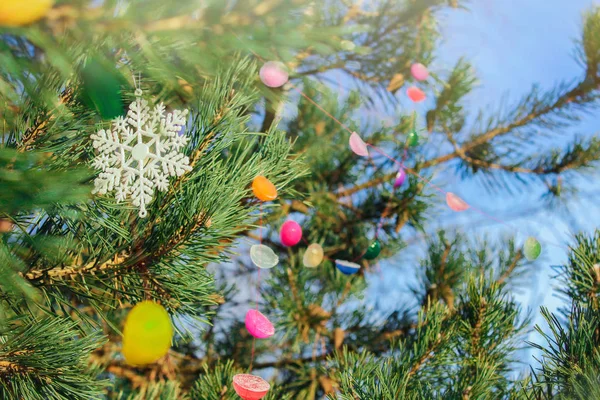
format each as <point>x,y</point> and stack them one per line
<point>140,153</point>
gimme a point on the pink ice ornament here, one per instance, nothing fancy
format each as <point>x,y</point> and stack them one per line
<point>290,233</point>
<point>400,178</point>
<point>273,74</point>
<point>419,71</point>
<point>258,325</point>
<point>358,146</point>
<point>250,387</point>
<point>415,94</point>
<point>456,203</point>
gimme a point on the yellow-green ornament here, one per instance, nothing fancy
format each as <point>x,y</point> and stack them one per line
<point>373,250</point>
<point>147,333</point>
<point>413,138</point>
<point>532,248</point>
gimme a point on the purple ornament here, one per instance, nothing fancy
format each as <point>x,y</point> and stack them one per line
<point>273,74</point>
<point>400,178</point>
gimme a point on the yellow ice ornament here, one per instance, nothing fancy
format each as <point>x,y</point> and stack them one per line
<point>21,12</point>
<point>147,333</point>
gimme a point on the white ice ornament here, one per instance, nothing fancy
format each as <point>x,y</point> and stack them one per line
<point>140,152</point>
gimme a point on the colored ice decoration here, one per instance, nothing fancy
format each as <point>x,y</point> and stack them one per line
<point>263,257</point>
<point>419,71</point>
<point>532,248</point>
<point>415,94</point>
<point>290,233</point>
<point>250,387</point>
<point>347,267</point>
<point>358,146</point>
<point>263,189</point>
<point>258,325</point>
<point>273,74</point>
<point>147,333</point>
<point>373,250</point>
<point>400,178</point>
<point>456,203</point>
<point>313,256</point>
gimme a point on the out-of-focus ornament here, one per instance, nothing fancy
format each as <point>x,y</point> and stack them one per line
<point>101,89</point>
<point>347,45</point>
<point>263,189</point>
<point>313,256</point>
<point>415,94</point>
<point>358,146</point>
<point>290,233</point>
<point>456,203</point>
<point>400,178</point>
<point>258,325</point>
<point>532,248</point>
<point>147,333</point>
<point>140,153</point>
<point>21,12</point>
<point>419,71</point>
<point>250,387</point>
<point>413,138</point>
<point>6,225</point>
<point>263,257</point>
<point>274,74</point>
<point>373,250</point>
<point>347,267</point>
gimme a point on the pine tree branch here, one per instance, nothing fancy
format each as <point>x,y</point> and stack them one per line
<point>580,90</point>
<point>502,278</point>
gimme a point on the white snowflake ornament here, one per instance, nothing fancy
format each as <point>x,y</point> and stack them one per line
<point>140,152</point>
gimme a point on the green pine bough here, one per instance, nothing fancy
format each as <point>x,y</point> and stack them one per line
<point>74,262</point>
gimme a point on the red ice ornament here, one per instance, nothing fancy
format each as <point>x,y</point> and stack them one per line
<point>456,203</point>
<point>415,94</point>
<point>258,325</point>
<point>250,387</point>
<point>358,146</point>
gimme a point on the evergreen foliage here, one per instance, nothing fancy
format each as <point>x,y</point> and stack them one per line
<point>72,264</point>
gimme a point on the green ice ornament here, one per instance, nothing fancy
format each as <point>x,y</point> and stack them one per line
<point>413,138</point>
<point>532,248</point>
<point>373,250</point>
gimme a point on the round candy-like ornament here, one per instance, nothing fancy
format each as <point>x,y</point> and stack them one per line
<point>400,178</point>
<point>290,233</point>
<point>373,250</point>
<point>532,248</point>
<point>264,189</point>
<point>456,203</point>
<point>274,74</point>
<point>23,12</point>
<point>313,256</point>
<point>258,325</point>
<point>415,94</point>
<point>250,387</point>
<point>419,71</point>
<point>263,256</point>
<point>347,267</point>
<point>147,333</point>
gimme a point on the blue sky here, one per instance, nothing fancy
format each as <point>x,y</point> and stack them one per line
<point>512,45</point>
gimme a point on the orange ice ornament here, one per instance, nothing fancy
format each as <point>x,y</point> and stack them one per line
<point>147,333</point>
<point>264,189</point>
<point>23,12</point>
